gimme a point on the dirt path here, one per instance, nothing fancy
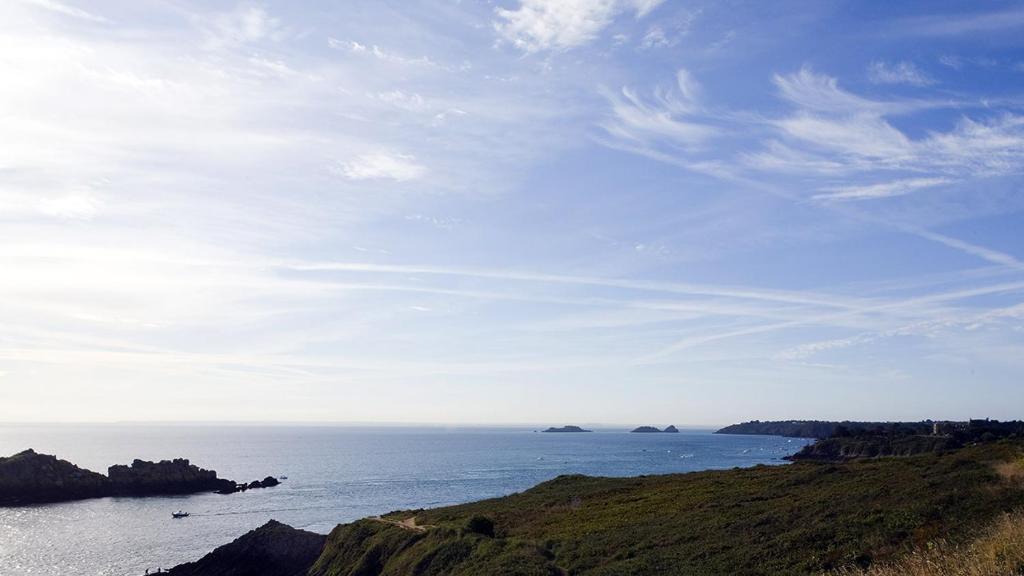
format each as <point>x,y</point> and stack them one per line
<point>408,524</point>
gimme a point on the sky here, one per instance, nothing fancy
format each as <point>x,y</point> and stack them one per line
<point>523,211</point>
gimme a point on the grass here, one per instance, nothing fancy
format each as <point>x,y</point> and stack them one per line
<point>805,518</point>
<point>998,551</point>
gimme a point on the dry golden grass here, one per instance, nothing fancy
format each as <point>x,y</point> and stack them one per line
<point>999,551</point>
<point>1011,471</point>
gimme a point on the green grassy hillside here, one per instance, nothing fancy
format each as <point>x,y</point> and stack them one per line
<point>799,519</point>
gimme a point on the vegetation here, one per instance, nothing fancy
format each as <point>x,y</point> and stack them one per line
<point>873,446</point>
<point>806,518</point>
<point>961,432</point>
<point>481,525</point>
<point>905,439</point>
<point>998,551</point>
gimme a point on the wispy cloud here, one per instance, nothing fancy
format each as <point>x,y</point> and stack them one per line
<point>671,116</point>
<point>537,25</point>
<point>958,24</point>
<point>65,10</point>
<point>882,190</point>
<point>902,72</point>
<point>670,34</point>
<point>399,167</point>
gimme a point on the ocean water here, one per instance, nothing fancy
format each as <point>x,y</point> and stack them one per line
<point>335,474</point>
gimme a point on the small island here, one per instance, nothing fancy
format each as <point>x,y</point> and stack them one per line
<point>653,430</point>
<point>566,429</point>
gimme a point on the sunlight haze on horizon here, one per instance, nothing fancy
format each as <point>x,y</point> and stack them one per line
<point>521,211</point>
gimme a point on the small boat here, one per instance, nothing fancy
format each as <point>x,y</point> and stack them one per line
<point>179,514</point>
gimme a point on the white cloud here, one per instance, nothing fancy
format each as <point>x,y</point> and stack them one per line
<point>65,9</point>
<point>899,73</point>
<point>412,102</point>
<point>563,24</point>
<point>669,35</point>
<point>670,117</point>
<point>399,167</point>
<point>881,190</point>
<point>245,24</point>
<point>377,52</point>
<point>820,93</point>
<point>860,137</point>
<point>854,133</point>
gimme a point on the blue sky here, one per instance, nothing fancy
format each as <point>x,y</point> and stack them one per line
<point>526,211</point>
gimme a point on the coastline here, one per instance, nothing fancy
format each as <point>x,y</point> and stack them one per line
<point>335,475</point>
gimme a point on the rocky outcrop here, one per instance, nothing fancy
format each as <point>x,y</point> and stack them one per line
<point>274,549</point>
<point>268,482</point>
<point>177,476</point>
<point>29,478</point>
<point>671,430</point>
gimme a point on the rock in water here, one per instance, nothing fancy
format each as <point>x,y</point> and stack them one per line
<point>274,549</point>
<point>176,476</point>
<point>29,477</point>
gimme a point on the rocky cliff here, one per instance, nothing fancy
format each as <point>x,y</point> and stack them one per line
<point>274,549</point>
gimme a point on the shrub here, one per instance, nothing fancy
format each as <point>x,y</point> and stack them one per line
<point>481,525</point>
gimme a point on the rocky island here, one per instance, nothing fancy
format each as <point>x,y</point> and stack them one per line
<point>29,478</point>
<point>566,429</point>
<point>653,430</point>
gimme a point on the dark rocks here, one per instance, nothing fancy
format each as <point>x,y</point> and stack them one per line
<point>176,476</point>
<point>565,429</point>
<point>274,549</point>
<point>29,478</point>
<point>268,482</point>
<point>671,430</point>
<point>653,430</point>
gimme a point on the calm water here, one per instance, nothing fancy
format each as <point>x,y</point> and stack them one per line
<point>335,474</point>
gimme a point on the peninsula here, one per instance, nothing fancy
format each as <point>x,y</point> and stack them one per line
<point>30,478</point>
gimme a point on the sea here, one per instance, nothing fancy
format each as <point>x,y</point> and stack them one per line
<point>335,474</point>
